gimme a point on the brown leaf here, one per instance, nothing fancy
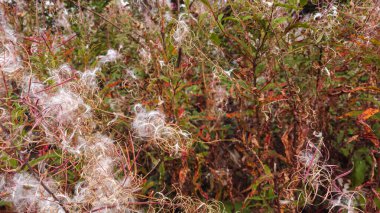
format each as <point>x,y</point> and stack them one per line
<point>287,144</point>
<point>368,133</point>
<point>182,175</point>
<point>233,115</point>
<point>368,113</point>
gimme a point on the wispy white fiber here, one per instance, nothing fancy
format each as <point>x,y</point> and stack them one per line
<point>146,123</point>
<point>28,195</point>
<point>88,78</point>
<point>151,126</point>
<point>111,56</point>
<point>100,188</point>
<point>182,31</point>
<point>347,201</point>
<point>65,106</point>
<point>9,58</point>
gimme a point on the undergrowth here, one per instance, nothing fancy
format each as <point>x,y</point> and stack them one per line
<point>189,106</point>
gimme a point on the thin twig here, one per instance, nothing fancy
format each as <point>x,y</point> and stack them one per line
<point>155,166</point>
<point>45,187</point>
<point>56,85</point>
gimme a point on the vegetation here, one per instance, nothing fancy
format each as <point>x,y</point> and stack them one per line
<point>190,106</point>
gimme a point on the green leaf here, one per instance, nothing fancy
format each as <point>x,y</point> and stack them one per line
<point>257,197</point>
<point>354,113</point>
<point>233,206</point>
<point>232,19</point>
<point>161,170</point>
<point>377,201</point>
<point>13,163</point>
<point>5,204</point>
<point>267,170</point>
<point>147,186</point>
<point>287,6</point>
<point>44,157</point>
<point>220,17</point>
<point>362,164</point>
<point>303,3</point>
<point>164,78</point>
<point>245,18</point>
<point>297,25</point>
<point>187,3</point>
<point>215,39</point>
<point>279,20</point>
<point>319,39</point>
<point>259,68</point>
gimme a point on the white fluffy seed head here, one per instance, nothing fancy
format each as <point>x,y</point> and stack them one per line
<point>111,56</point>
<point>62,113</point>
<point>151,126</point>
<point>182,31</point>
<point>27,194</point>
<point>7,33</point>
<point>10,62</point>
<point>145,56</point>
<point>88,78</point>
<point>146,124</point>
<point>65,106</point>
<point>346,201</point>
<point>63,16</point>
<point>100,188</point>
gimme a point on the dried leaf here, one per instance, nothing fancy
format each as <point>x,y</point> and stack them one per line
<point>287,144</point>
<point>368,113</point>
<point>368,132</point>
<point>233,115</point>
<point>353,138</point>
<point>182,175</point>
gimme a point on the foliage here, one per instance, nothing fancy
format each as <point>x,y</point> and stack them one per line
<point>205,106</point>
